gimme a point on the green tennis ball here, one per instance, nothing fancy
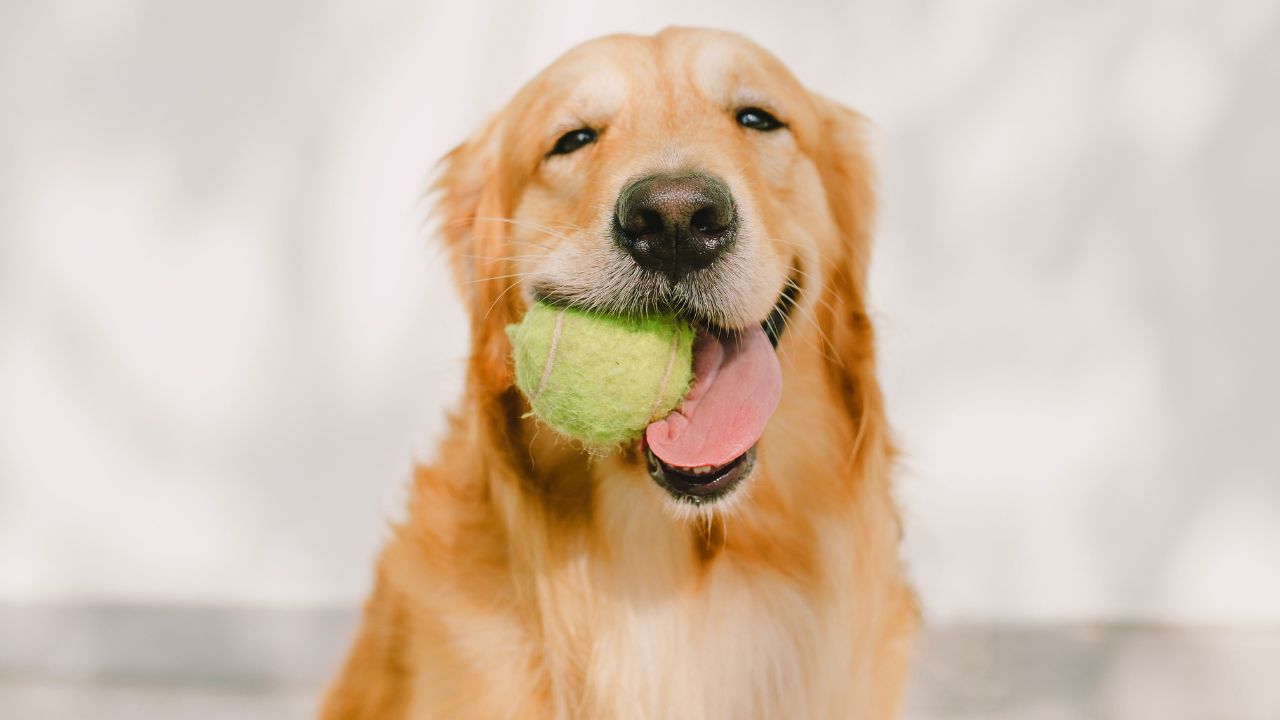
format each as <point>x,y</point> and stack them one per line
<point>601,378</point>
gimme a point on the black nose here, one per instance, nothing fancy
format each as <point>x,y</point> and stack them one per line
<point>675,224</point>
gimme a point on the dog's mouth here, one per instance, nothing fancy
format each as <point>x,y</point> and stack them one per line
<point>704,449</point>
<point>701,485</point>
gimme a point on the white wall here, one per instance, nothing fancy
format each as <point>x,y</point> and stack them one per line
<point>222,339</point>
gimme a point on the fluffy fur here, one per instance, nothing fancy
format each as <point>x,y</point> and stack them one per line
<point>531,580</point>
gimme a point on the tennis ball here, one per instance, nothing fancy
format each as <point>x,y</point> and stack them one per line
<point>601,378</point>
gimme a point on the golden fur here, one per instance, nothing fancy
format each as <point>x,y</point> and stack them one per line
<point>532,580</point>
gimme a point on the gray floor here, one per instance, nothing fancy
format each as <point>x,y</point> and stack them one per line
<point>207,663</point>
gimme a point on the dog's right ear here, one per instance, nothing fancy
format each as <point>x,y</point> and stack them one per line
<point>475,197</point>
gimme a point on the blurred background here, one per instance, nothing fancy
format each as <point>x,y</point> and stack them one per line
<point>224,337</point>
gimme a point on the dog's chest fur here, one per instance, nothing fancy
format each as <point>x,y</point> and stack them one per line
<point>646,625</point>
<point>740,645</point>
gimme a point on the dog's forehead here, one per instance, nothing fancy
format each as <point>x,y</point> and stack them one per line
<point>588,90</point>
<point>598,78</point>
<point>731,71</point>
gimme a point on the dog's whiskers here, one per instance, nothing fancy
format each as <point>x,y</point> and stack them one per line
<point>807,312</point>
<point>524,224</point>
<point>500,277</point>
<point>494,304</point>
<point>515,241</point>
<point>498,257</point>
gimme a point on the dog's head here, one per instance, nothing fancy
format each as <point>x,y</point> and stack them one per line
<point>686,172</point>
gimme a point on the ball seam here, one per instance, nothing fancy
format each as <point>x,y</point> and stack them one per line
<point>551,356</point>
<point>666,377</point>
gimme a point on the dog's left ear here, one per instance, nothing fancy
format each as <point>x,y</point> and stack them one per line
<point>849,181</point>
<point>474,203</point>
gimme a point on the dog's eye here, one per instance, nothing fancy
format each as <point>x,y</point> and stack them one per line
<point>573,140</point>
<point>757,119</point>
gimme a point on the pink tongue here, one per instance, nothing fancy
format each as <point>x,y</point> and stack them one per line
<point>737,386</point>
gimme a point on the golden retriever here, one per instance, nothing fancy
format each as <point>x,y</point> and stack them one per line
<point>687,172</point>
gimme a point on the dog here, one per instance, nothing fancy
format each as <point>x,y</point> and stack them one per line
<point>685,172</point>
